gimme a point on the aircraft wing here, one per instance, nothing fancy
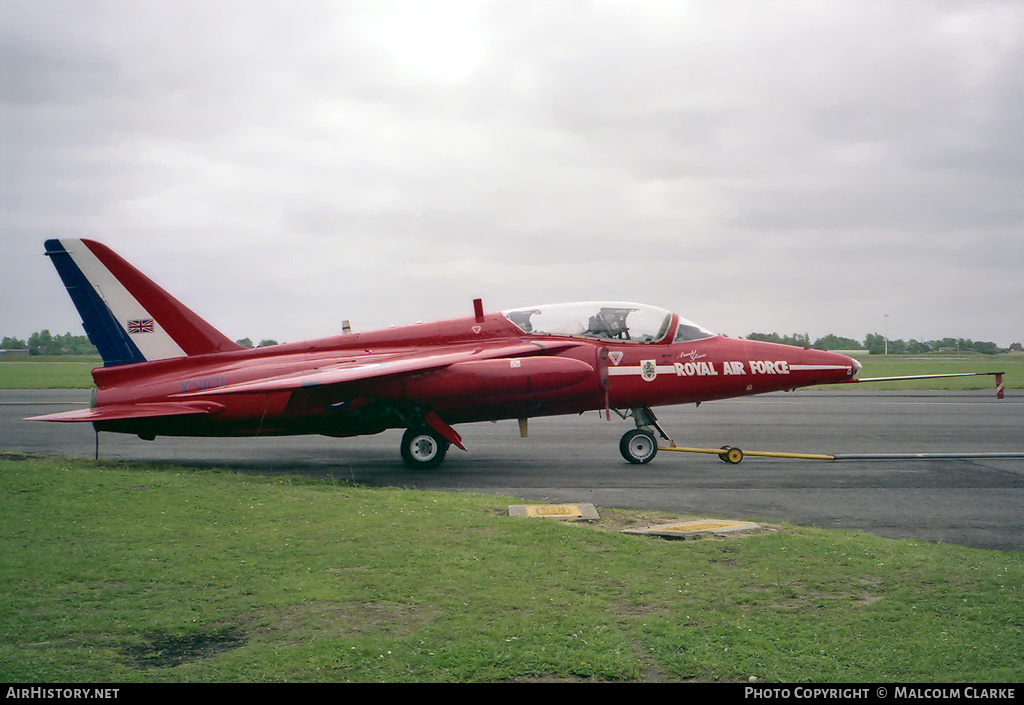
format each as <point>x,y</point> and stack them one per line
<point>373,366</point>
<point>120,412</point>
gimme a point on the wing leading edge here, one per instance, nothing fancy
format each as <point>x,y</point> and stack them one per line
<point>369,367</point>
<point>372,367</point>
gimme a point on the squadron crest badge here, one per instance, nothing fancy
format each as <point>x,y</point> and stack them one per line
<point>648,370</point>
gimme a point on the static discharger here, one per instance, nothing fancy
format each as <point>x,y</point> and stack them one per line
<point>565,512</point>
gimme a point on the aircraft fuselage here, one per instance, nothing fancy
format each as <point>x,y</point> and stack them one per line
<point>554,375</point>
<point>168,372</point>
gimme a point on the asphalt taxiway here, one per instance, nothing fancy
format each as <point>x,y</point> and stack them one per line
<point>975,501</point>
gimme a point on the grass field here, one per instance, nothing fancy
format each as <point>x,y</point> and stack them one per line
<point>134,573</point>
<point>59,373</point>
<point>897,365</point>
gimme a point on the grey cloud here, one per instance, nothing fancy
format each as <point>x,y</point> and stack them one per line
<point>695,155</point>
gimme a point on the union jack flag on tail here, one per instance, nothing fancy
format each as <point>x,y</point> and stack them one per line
<point>142,325</point>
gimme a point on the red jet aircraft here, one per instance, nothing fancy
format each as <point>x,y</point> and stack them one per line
<point>167,372</point>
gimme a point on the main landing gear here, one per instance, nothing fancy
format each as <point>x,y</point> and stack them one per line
<point>423,448</point>
<point>425,444</point>
<point>639,445</point>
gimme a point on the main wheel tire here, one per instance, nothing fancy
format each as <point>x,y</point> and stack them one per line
<point>638,446</point>
<point>423,448</point>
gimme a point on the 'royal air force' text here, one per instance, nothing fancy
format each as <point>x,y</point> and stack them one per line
<point>706,369</point>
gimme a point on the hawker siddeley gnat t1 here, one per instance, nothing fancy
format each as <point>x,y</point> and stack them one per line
<point>167,372</point>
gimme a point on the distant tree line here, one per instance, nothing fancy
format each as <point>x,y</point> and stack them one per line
<point>45,343</point>
<point>875,344</point>
<point>247,343</point>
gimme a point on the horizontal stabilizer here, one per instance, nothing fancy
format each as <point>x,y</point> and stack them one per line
<point>121,412</point>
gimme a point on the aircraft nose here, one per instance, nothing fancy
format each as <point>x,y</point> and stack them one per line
<point>853,367</point>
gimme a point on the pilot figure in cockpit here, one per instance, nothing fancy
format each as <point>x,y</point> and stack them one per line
<point>610,323</point>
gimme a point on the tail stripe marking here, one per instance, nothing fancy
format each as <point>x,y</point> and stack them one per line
<point>179,330</point>
<point>135,318</point>
<point>119,290</point>
<point>103,329</point>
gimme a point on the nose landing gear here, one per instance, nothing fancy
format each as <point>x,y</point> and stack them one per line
<point>639,445</point>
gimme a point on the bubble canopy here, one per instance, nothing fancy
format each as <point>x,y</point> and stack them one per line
<point>611,320</point>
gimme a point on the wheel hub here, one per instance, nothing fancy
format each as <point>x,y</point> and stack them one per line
<point>424,448</point>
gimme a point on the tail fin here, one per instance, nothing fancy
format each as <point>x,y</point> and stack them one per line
<point>127,316</point>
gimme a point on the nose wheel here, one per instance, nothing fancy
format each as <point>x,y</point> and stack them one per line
<point>638,446</point>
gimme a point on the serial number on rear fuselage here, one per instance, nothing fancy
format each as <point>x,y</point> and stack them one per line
<point>200,384</point>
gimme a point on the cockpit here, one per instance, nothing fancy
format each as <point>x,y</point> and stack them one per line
<point>623,322</point>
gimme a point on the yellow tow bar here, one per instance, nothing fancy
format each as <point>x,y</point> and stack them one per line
<point>731,455</point>
<point>728,454</point>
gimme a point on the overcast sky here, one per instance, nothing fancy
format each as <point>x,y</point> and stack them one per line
<point>799,167</point>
